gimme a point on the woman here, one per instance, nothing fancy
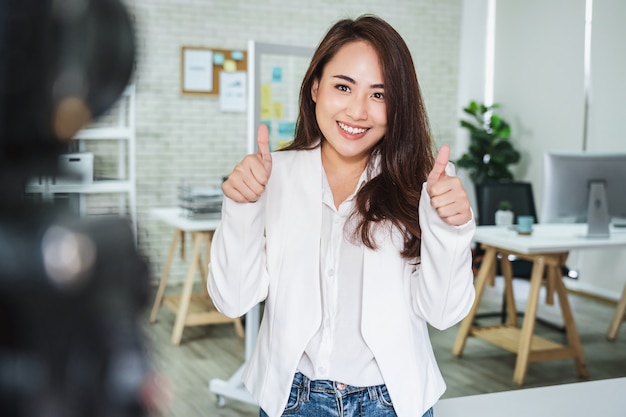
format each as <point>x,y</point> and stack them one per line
<point>353,235</point>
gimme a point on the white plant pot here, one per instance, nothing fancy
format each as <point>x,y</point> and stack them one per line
<point>504,218</point>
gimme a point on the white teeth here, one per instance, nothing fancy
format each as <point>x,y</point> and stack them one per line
<point>351,130</point>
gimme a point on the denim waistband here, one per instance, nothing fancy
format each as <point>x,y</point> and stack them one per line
<point>331,387</point>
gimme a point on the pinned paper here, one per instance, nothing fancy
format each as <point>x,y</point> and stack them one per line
<point>233,91</point>
<point>198,70</point>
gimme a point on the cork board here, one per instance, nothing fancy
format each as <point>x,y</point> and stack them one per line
<point>201,67</point>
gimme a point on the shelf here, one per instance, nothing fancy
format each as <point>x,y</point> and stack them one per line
<point>112,133</point>
<point>201,310</point>
<point>118,125</point>
<point>108,186</point>
<point>508,338</point>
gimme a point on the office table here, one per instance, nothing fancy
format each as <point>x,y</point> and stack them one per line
<point>191,309</point>
<point>580,399</point>
<point>547,247</point>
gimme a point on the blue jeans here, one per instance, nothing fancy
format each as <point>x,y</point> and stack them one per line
<point>331,399</point>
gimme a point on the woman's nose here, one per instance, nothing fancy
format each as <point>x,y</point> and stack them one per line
<point>357,108</point>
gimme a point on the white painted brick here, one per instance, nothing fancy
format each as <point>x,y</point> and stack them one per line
<point>187,137</point>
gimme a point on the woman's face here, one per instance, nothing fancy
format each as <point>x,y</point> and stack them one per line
<point>350,103</point>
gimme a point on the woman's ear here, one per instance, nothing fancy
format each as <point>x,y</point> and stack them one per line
<point>314,87</point>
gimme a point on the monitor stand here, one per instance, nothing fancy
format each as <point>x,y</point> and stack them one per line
<point>597,211</point>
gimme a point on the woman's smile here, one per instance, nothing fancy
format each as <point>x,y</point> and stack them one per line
<point>351,131</point>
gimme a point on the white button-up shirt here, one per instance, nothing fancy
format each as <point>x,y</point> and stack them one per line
<point>337,351</point>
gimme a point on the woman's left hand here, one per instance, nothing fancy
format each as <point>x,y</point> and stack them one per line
<point>447,194</point>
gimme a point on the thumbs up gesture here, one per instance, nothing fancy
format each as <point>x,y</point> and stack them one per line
<point>447,194</point>
<point>247,181</point>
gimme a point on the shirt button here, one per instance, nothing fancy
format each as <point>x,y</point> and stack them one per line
<point>331,272</point>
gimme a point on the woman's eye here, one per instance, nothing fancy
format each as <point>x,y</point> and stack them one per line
<point>379,96</point>
<point>342,87</point>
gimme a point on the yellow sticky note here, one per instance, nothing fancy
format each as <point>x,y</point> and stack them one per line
<point>230,65</point>
<point>266,101</point>
<point>278,109</point>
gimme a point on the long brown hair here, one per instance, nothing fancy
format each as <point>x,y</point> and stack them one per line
<point>405,151</point>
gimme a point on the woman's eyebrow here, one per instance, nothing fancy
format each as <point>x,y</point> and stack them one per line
<point>351,81</point>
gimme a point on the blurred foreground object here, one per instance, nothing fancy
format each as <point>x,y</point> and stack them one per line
<point>72,291</point>
<point>72,294</point>
<point>62,63</point>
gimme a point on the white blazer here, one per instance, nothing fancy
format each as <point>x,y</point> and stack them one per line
<point>269,251</point>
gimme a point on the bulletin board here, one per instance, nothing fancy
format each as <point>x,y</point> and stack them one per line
<point>201,68</point>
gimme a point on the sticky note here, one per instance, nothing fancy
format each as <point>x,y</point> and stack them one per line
<point>218,58</point>
<point>278,109</point>
<point>277,74</point>
<point>230,65</point>
<point>237,55</point>
<point>286,130</point>
<point>266,101</point>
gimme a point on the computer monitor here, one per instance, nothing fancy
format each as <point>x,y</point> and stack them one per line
<point>581,187</point>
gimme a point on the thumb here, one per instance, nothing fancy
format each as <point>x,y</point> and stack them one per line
<point>263,143</point>
<point>439,169</point>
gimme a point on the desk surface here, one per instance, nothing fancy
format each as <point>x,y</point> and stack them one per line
<point>547,238</point>
<point>581,399</point>
<point>173,217</point>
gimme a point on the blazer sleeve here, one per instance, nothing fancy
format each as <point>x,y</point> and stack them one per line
<point>443,282</point>
<point>238,278</point>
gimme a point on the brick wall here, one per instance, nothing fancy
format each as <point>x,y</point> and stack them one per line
<point>186,137</point>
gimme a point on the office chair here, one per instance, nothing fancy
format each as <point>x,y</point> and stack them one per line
<point>522,202</point>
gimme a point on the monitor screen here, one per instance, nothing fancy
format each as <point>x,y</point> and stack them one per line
<point>567,179</point>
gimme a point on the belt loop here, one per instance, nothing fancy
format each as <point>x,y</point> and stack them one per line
<point>306,388</point>
<point>373,393</point>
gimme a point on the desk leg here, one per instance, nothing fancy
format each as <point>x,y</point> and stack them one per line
<point>570,325</point>
<point>165,275</point>
<point>511,308</point>
<point>528,325</point>
<point>185,297</point>
<point>484,274</point>
<point>618,318</point>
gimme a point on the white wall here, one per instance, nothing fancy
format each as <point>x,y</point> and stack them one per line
<point>608,77</point>
<point>539,78</point>
<point>187,137</point>
<point>472,74</point>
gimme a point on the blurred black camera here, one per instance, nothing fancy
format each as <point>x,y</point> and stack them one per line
<point>72,290</point>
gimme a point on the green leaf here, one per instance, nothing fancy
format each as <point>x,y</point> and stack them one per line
<point>489,136</point>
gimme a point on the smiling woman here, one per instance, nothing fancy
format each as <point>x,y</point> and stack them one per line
<point>381,214</point>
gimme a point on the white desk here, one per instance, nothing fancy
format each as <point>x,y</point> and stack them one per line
<point>191,309</point>
<point>547,238</point>
<point>547,248</point>
<point>582,399</point>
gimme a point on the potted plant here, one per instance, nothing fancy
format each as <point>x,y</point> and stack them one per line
<point>490,151</point>
<point>504,215</point>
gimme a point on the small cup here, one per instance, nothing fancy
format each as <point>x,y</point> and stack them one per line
<point>525,225</point>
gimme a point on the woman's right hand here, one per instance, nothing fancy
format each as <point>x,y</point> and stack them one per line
<point>247,182</point>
